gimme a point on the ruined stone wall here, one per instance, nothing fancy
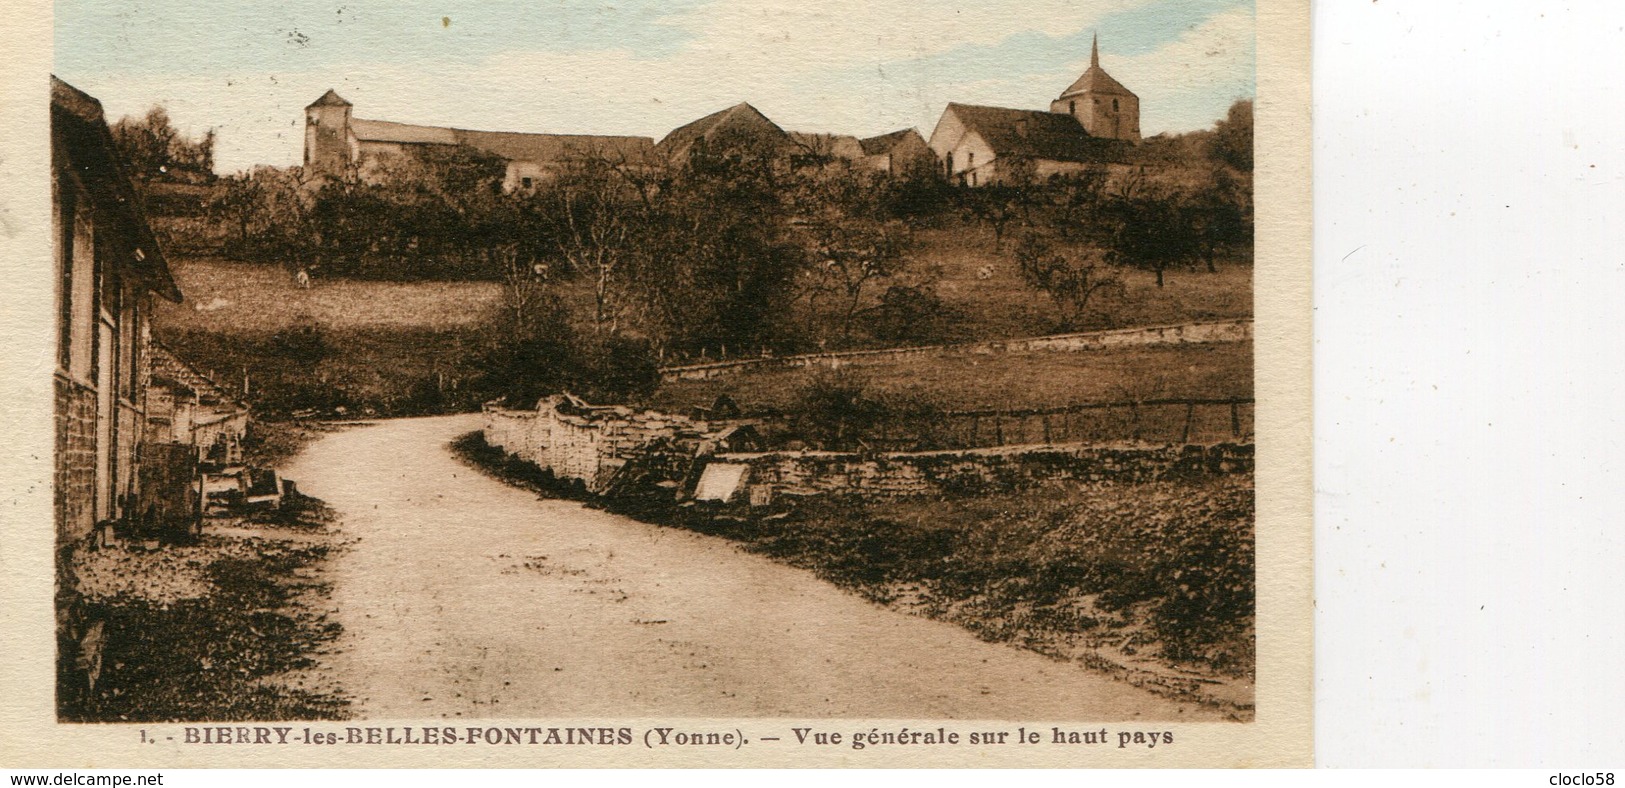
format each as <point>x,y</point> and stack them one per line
<point>919,474</point>
<point>588,445</point>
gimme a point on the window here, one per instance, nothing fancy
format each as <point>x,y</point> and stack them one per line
<point>1072,107</point>
<point>525,182</point>
<point>1114,105</point>
<point>970,160</point>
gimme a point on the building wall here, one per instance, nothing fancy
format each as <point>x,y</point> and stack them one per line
<point>971,161</point>
<point>1101,117</point>
<point>75,468</point>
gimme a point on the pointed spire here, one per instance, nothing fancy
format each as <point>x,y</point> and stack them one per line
<point>1094,52</point>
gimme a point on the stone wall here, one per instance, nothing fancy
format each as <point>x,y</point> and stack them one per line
<point>1240,330</point>
<point>916,474</point>
<point>589,443</point>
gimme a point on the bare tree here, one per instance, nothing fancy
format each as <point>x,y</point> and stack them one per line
<point>1071,284</point>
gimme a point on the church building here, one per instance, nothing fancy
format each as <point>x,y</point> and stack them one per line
<point>1093,122</point>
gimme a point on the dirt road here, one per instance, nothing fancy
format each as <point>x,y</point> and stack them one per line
<point>464,597</point>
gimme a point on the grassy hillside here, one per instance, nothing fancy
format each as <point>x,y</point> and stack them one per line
<point>1002,306</point>
<point>398,348</point>
<point>1011,381</point>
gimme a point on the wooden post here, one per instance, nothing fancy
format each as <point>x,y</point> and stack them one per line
<point>1134,413</point>
<point>1190,411</point>
<point>1235,419</point>
<point>1047,438</point>
<point>998,429</point>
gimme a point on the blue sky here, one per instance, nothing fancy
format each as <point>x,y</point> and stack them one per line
<point>639,67</point>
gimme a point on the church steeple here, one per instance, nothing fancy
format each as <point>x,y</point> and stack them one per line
<point>1100,103</point>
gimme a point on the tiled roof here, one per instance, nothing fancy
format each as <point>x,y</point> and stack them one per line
<point>1033,134</point>
<point>1096,80</point>
<point>389,131</point>
<point>330,99</point>
<point>738,120</point>
<point>78,122</point>
<point>844,146</point>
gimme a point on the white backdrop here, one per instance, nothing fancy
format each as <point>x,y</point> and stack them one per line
<point>1470,376</point>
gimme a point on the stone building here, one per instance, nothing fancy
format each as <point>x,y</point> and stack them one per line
<point>740,128</point>
<point>1093,122</point>
<point>336,141</point>
<point>903,153</point>
<point>108,269</point>
<point>982,146</point>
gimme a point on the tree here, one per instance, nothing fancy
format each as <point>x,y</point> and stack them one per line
<point>1232,143</point>
<point>1219,213</point>
<point>596,212</point>
<point>715,263</point>
<point>997,206</point>
<point>1069,283</point>
<point>1150,229</point>
<point>156,150</point>
<point>849,255</point>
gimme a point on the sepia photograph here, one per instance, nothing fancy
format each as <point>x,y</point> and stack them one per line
<point>702,360</point>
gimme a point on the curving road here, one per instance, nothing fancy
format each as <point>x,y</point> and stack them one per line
<point>464,597</point>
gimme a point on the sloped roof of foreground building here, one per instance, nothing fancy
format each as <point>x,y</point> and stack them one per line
<point>78,121</point>
<point>169,368</point>
<point>1034,134</point>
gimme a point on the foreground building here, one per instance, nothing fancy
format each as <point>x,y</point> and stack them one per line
<point>109,270</point>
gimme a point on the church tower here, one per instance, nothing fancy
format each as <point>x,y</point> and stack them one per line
<point>1100,103</point>
<point>327,134</point>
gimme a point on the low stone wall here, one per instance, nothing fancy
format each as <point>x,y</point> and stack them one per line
<point>915,474</point>
<point>713,460</point>
<point>1240,330</point>
<point>589,443</point>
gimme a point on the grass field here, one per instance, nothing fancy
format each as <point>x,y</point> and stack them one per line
<point>249,298</point>
<point>1009,381</point>
<point>398,348</point>
<point>1003,306</point>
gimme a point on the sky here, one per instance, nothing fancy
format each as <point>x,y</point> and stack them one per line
<point>640,67</point>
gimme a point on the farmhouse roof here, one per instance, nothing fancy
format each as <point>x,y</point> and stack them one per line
<point>874,146</point>
<point>740,120</point>
<point>77,119</point>
<point>168,367</point>
<point>845,146</point>
<point>329,99</point>
<point>510,145</point>
<point>1032,134</point>
<point>1095,79</point>
<point>390,131</point>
